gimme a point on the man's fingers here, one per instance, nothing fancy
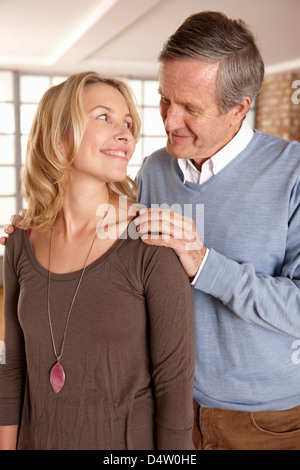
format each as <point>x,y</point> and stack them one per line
<point>166,222</point>
<point>163,227</point>
<point>16,221</point>
<point>159,214</point>
<point>8,229</point>
<point>179,245</point>
<point>2,240</point>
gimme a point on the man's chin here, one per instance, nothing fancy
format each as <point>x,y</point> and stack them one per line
<point>176,150</point>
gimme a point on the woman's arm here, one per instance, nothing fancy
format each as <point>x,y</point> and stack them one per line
<point>8,437</point>
<point>13,363</point>
<point>171,318</point>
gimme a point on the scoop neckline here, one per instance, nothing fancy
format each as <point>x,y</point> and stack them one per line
<point>74,274</point>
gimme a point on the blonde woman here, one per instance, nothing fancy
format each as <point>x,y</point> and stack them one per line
<point>98,326</point>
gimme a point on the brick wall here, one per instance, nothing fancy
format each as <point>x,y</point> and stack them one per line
<point>276,113</point>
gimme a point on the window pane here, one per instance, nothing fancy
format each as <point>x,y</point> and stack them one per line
<point>57,80</point>
<point>151,144</point>
<point>33,87</point>
<point>136,158</point>
<point>7,209</point>
<point>7,180</point>
<point>24,203</point>
<point>151,96</point>
<point>6,86</point>
<point>7,149</point>
<point>133,171</point>
<point>27,115</point>
<point>1,246</point>
<point>136,86</point>
<point>251,118</point>
<point>152,122</point>
<point>24,140</point>
<point>7,119</point>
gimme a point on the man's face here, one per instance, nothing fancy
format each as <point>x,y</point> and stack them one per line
<point>195,126</point>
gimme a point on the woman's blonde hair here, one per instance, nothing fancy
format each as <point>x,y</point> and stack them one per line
<point>60,118</point>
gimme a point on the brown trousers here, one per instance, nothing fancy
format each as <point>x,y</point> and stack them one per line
<point>216,429</point>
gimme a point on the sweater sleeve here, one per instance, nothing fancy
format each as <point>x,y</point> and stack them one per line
<point>12,371</point>
<point>271,302</point>
<point>171,317</point>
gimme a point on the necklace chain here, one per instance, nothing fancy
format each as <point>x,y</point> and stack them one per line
<point>59,356</point>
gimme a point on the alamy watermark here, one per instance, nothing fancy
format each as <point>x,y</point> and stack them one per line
<point>296,354</point>
<point>177,221</point>
<point>296,93</point>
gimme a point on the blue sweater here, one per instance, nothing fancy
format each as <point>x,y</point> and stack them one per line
<point>247,297</point>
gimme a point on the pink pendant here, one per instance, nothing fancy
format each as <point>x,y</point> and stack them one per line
<point>57,377</point>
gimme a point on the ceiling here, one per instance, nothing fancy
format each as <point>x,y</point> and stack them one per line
<point>124,37</point>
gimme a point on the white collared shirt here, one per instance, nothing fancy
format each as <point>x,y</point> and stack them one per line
<point>214,164</point>
<point>218,161</point>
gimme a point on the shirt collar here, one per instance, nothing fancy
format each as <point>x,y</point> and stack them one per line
<point>220,159</point>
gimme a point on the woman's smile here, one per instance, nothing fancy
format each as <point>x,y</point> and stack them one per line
<point>119,153</point>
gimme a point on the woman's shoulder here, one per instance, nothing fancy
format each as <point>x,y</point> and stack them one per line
<point>138,253</point>
<point>16,243</point>
<point>135,244</point>
<point>14,247</point>
<point>16,238</point>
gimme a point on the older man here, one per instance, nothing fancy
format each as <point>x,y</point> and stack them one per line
<point>246,270</point>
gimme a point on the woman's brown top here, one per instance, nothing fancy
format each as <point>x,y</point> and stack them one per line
<point>128,355</point>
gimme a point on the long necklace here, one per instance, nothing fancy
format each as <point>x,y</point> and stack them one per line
<point>57,373</point>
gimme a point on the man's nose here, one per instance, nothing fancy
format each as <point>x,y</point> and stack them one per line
<point>173,118</point>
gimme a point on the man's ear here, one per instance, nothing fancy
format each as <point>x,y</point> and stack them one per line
<point>239,111</point>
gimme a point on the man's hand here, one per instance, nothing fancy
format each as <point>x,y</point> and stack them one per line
<point>163,227</point>
<point>15,221</point>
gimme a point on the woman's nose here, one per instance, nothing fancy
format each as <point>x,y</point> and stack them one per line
<point>123,133</point>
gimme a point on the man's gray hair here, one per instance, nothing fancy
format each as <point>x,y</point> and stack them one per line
<point>212,37</point>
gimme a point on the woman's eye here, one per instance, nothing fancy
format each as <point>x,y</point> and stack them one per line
<point>128,125</point>
<point>104,117</point>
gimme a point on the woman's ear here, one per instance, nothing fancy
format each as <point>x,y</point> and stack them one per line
<point>64,148</point>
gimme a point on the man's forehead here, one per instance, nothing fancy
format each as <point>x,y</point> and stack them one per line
<point>183,78</point>
<point>186,70</point>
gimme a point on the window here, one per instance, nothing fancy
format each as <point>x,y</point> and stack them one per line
<point>19,95</point>
<point>8,171</point>
<point>153,134</point>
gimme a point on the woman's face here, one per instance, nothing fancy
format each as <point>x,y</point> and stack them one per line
<point>107,144</point>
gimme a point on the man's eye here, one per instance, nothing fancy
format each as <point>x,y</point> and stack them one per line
<point>191,110</point>
<point>164,100</point>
